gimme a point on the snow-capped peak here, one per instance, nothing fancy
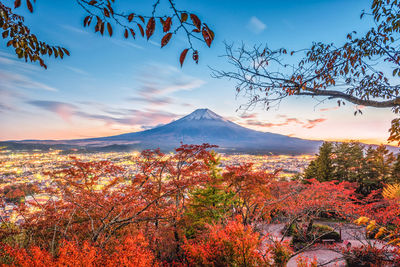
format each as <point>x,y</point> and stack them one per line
<point>203,114</point>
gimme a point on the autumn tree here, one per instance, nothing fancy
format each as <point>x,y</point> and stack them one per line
<point>234,245</point>
<point>305,203</point>
<point>97,202</point>
<point>362,70</point>
<point>130,251</point>
<point>104,16</point>
<point>252,191</point>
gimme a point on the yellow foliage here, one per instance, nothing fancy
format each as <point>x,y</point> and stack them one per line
<point>380,232</point>
<point>371,226</point>
<point>362,220</point>
<point>394,241</point>
<point>391,191</point>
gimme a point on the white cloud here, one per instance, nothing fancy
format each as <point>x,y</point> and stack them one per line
<point>13,80</point>
<point>255,25</point>
<point>161,80</point>
<point>74,29</point>
<point>125,43</point>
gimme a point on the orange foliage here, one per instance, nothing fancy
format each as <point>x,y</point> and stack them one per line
<point>132,251</point>
<point>230,245</point>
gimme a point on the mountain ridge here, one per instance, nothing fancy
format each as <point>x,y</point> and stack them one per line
<point>200,126</point>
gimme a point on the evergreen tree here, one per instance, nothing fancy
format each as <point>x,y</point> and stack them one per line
<point>209,204</point>
<point>322,167</point>
<point>348,161</point>
<point>378,169</point>
<point>395,173</point>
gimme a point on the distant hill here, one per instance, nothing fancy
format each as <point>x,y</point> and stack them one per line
<point>201,126</point>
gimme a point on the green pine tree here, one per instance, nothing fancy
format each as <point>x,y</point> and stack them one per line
<point>395,173</point>
<point>348,161</point>
<point>377,170</point>
<point>322,167</point>
<point>209,204</point>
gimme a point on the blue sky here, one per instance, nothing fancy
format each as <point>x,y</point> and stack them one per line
<point>111,85</point>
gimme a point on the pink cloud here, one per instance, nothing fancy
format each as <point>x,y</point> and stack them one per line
<point>248,116</point>
<point>329,109</point>
<point>312,123</point>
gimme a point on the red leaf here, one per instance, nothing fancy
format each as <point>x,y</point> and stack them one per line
<point>141,29</point>
<point>207,37</point>
<point>183,56</point>
<point>130,17</point>
<point>65,51</point>
<point>210,32</point>
<point>85,21</point>
<point>167,24</point>
<point>102,28</point>
<point>109,28</point>
<point>166,39</point>
<point>151,24</point>
<point>141,18</point>
<point>184,17</point>
<point>126,34</point>
<point>196,21</point>
<point>93,2</point>
<point>196,56</point>
<point>106,13</point>
<point>29,4</point>
<point>17,3</point>
<point>133,33</point>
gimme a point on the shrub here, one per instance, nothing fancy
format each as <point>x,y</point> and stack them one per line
<point>232,245</point>
<point>281,254</point>
<point>320,229</point>
<point>367,255</point>
<point>318,232</point>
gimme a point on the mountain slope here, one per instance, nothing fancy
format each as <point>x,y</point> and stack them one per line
<point>205,126</point>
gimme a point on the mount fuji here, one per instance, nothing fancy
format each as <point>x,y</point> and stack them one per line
<point>200,126</point>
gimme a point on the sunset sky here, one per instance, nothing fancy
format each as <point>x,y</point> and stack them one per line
<point>111,85</point>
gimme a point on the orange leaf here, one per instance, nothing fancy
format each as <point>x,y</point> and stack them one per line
<point>109,28</point>
<point>167,24</point>
<point>151,24</point>
<point>141,18</point>
<point>65,51</point>
<point>29,4</point>
<point>183,56</point>
<point>17,3</point>
<point>102,28</point>
<point>196,21</point>
<point>85,21</point>
<point>206,36</point>
<point>196,56</point>
<point>184,17</point>
<point>130,17</point>
<point>132,32</point>
<point>210,32</point>
<point>106,13</point>
<point>141,29</point>
<point>166,39</point>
